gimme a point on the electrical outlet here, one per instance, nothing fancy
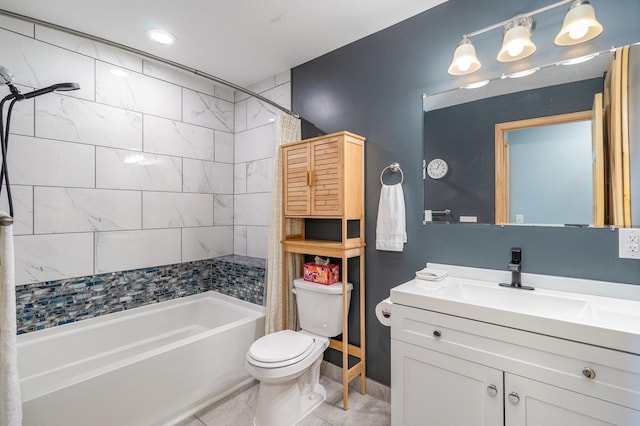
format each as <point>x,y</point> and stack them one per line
<point>632,247</point>
<point>629,243</point>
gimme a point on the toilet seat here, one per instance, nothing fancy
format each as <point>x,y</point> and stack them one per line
<point>280,349</point>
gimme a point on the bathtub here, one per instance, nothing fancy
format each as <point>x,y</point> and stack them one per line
<point>153,365</point>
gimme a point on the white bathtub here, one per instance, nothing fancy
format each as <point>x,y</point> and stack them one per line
<point>152,365</point>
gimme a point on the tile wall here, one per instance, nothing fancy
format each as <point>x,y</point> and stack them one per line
<point>255,148</point>
<point>131,171</point>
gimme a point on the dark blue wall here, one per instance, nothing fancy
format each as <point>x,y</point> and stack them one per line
<point>373,87</point>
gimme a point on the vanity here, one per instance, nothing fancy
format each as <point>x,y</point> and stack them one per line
<point>465,351</point>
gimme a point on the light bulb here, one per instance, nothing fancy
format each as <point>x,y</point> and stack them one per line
<point>464,63</point>
<point>578,30</point>
<point>515,48</point>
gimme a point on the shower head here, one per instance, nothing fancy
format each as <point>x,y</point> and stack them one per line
<point>7,78</point>
<point>59,87</point>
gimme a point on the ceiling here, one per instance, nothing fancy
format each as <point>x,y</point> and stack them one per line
<point>242,41</point>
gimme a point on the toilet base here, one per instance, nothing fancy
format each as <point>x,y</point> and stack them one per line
<point>307,405</point>
<point>286,403</point>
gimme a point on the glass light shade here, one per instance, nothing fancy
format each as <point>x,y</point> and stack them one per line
<point>579,25</point>
<point>465,60</point>
<point>516,44</point>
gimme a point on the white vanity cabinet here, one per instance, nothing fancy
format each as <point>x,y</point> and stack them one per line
<point>449,370</point>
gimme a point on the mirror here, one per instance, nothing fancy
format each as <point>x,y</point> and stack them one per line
<point>546,169</point>
<point>460,129</point>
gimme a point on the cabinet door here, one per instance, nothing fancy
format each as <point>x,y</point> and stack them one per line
<point>326,178</point>
<point>296,165</point>
<point>539,404</point>
<point>431,388</point>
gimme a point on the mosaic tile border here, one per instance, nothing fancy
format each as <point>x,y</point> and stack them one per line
<point>241,277</point>
<point>48,304</point>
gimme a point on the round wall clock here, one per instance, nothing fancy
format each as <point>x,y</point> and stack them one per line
<point>437,168</point>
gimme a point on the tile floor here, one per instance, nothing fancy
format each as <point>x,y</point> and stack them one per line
<point>238,410</point>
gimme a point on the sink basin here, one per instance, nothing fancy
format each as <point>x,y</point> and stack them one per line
<point>535,302</point>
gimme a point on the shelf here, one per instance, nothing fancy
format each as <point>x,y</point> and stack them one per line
<point>351,248</point>
<point>323,179</point>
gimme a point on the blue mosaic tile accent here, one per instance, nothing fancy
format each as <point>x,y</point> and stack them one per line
<point>241,277</point>
<point>47,304</point>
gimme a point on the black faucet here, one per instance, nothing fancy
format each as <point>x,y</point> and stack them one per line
<point>515,266</point>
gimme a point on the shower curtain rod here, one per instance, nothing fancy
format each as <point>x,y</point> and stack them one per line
<point>149,56</point>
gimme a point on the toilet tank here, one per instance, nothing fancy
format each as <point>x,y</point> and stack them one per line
<point>320,307</point>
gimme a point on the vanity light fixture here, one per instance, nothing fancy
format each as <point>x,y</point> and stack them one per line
<point>579,25</point>
<point>465,60</point>
<point>516,43</point>
<point>161,36</point>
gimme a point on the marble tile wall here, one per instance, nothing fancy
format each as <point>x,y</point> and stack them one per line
<point>134,170</point>
<point>255,148</point>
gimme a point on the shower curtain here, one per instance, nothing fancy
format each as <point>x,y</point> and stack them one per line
<point>288,131</point>
<point>10,400</point>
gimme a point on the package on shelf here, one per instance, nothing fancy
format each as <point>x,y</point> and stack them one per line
<point>321,271</point>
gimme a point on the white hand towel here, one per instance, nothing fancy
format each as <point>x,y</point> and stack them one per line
<point>431,274</point>
<point>391,229</point>
<point>10,400</point>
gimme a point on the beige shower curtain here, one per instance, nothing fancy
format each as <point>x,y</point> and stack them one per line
<point>10,400</point>
<point>288,131</point>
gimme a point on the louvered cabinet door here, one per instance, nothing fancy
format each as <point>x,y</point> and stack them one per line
<point>296,180</point>
<point>326,178</point>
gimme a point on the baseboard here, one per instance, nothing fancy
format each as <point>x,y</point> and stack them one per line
<point>375,389</point>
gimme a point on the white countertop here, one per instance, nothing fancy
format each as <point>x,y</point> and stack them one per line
<point>597,320</point>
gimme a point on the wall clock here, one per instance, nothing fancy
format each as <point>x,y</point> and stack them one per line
<point>437,168</point>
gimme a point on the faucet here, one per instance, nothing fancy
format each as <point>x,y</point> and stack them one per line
<point>515,266</point>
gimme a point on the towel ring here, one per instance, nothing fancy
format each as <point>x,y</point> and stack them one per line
<point>394,167</point>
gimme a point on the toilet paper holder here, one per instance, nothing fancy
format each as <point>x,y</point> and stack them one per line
<point>383,312</point>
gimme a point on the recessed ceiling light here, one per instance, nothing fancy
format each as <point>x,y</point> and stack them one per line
<point>579,60</point>
<point>161,36</point>
<point>521,73</point>
<point>475,85</point>
<point>119,73</point>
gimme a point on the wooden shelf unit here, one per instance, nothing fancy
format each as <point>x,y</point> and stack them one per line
<point>323,178</point>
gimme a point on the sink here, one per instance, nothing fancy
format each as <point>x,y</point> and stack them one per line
<point>589,318</point>
<point>536,302</point>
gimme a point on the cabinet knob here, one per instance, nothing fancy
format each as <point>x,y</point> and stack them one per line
<point>588,373</point>
<point>437,333</point>
<point>514,398</point>
<point>492,390</point>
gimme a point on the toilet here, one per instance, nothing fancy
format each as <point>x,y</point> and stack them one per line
<point>287,363</point>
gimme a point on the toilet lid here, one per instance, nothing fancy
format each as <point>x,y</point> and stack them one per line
<point>280,346</point>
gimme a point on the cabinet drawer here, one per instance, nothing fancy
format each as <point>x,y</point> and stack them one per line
<point>543,358</point>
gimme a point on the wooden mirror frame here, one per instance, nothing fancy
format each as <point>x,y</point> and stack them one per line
<point>502,159</point>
